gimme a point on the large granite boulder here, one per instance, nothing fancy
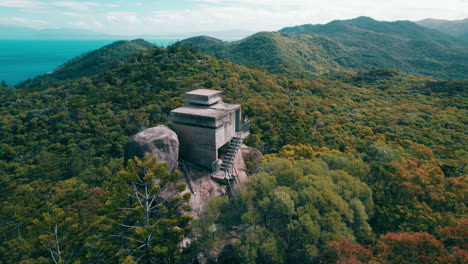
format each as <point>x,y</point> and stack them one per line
<point>251,157</point>
<point>159,141</point>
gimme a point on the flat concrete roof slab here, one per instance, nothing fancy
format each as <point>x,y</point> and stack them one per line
<point>205,92</point>
<point>203,97</point>
<point>206,116</point>
<point>225,107</point>
<point>198,111</point>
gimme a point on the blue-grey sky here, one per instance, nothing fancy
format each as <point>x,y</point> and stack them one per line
<point>178,16</point>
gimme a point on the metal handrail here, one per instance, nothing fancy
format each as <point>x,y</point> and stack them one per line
<point>245,126</point>
<point>215,166</point>
<point>228,163</point>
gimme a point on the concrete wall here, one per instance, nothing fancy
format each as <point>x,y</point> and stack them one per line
<point>227,131</point>
<point>197,144</point>
<point>200,144</point>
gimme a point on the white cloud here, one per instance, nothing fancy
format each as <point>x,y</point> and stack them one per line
<point>73,14</point>
<point>125,17</point>
<point>223,18</point>
<point>89,25</point>
<point>78,24</point>
<point>217,15</point>
<point>80,6</point>
<point>24,22</point>
<point>21,4</point>
<point>259,15</point>
<point>302,3</point>
<point>31,4</point>
<point>372,7</point>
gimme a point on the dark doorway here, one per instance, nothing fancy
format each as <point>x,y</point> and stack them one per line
<point>223,150</point>
<point>238,120</point>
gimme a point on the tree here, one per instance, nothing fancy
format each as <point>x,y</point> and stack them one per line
<point>291,208</point>
<point>410,248</point>
<point>455,238</point>
<point>153,222</point>
<point>346,252</point>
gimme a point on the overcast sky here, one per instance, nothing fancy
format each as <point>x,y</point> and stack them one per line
<point>178,16</point>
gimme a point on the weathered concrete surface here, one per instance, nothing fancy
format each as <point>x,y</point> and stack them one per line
<point>204,125</point>
<point>204,116</point>
<point>202,150</point>
<point>203,96</point>
<point>159,141</point>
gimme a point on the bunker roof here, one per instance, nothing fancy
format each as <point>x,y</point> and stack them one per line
<point>203,97</point>
<point>202,115</point>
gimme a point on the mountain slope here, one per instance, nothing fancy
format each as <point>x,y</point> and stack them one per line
<point>400,44</point>
<point>357,44</point>
<point>275,52</point>
<point>101,59</point>
<point>456,28</point>
<point>61,151</point>
<point>348,30</point>
<point>93,62</point>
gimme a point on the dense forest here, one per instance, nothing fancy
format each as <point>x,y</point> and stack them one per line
<point>356,44</point>
<point>90,63</point>
<point>456,28</point>
<point>360,167</point>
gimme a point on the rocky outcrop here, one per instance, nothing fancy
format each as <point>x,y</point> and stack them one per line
<point>159,141</point>
<point>251,157</point>
<point>203,187</point>
<point>163,143</point>
<point>240,168</point>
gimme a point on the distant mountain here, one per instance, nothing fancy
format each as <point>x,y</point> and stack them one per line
<point>356,44</point>
<point>368,30</point>
<point>234,34</point>
<point>276,52</point>
<point>10,32</point>
<point>456,28</point>
<point>93,62</point>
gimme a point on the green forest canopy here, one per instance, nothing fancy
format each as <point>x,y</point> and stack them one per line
<point>397,138</point>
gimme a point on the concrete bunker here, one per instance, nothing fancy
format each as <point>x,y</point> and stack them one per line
<point>207,127</point>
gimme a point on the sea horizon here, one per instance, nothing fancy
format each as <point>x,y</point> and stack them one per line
<point>23,59</point>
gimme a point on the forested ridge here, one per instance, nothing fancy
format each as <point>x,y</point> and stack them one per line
<point>356,44</point>
<point>366,167</point>
<point>90,63</point>
<point>456,28</point>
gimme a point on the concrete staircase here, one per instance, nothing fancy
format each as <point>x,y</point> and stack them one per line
<point>230,154</point>
<point>225,173</point>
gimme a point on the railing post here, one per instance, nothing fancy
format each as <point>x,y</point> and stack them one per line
<point>215,166</point>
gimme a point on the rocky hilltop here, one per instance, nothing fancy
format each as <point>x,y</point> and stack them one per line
<point>161,142</point>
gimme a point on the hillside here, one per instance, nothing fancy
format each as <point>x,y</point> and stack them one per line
<point>456,28</point>
<point>99,60</point>
<point>275,52</point>
<point>357,44</point>
<point>353,157</point>
<point>91,63</point>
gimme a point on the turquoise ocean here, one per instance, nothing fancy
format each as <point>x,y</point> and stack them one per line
<point>24,59</point>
